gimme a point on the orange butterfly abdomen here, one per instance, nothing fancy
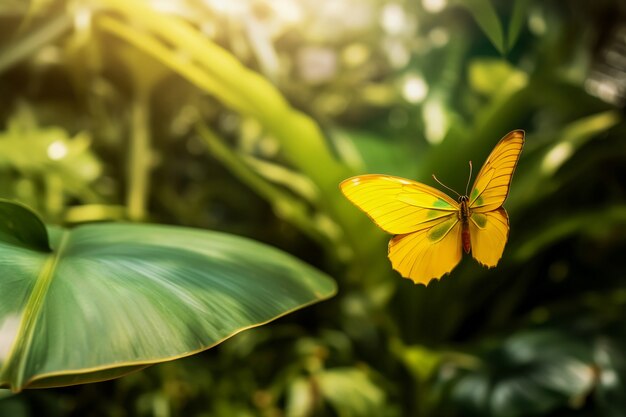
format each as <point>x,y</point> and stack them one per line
<point>465,237</point>
<point>464,214</point>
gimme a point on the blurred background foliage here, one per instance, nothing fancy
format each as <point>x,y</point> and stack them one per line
<point>244,116</point>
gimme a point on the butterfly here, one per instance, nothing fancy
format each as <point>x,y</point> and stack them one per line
<point>432,229</point>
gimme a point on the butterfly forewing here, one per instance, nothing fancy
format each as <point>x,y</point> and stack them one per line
<point>398,205</point>
<point>492,182</point>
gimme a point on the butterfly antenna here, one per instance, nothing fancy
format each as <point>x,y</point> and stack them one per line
<point>469,179</point>
<point>444,185</point>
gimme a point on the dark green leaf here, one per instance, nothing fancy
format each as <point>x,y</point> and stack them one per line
<point>351,392</point>
<point>518,18</point>
<point>611,362</point>
<point>487,18</point>
<point>530,374</point>
<point>20,226</point>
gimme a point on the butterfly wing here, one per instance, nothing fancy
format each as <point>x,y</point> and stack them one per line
<point>397,205</point>
<point>428,253</point>
<point>489,222</point>
<point>425,220</point>
<point>491,186</point>
<point>488,235</point>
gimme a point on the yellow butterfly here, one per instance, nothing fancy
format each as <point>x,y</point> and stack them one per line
<point>431,228</point>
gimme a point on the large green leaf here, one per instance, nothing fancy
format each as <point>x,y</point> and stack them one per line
<point>113,298</point>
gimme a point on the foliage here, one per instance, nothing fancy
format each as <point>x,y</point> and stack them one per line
<point>244,118</point>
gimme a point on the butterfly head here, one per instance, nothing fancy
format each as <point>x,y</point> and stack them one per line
<point>463,199</point>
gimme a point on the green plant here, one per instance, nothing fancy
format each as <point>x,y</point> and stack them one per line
<point>210,114</point>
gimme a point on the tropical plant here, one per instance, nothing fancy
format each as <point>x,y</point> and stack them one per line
<point>245,116</point>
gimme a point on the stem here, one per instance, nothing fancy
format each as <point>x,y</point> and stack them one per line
<point>27,45</point>
<point>138,168</point>
<point>54,198</point>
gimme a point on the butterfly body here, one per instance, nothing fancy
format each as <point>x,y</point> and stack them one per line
<point>431,229</point>
<point>464,215</point>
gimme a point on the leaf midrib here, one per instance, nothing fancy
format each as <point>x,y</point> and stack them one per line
<point>15,364</point>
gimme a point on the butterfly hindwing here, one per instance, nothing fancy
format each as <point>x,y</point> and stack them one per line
<point>488,233</point>
<point>428,253</point>
<point>397,205</point>
<point>491,186</point>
